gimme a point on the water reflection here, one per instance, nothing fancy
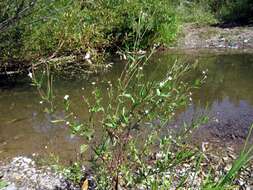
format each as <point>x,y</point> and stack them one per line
<point>26,129</point>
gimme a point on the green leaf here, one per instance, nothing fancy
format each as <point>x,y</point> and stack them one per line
<point>158,92</point>
<point>197,82</point>
<point>77,127</point>
<point>110,125</point>
<point>58,121</point>
<point>3,184</point>
<point>87,133</point>
<point>129,96</point>
<point>83,148</point>
<point>124,117</point>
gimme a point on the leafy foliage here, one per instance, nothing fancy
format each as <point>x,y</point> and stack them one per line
<point>75,27</point>
<point>117,158</point>
<point>3,184</point>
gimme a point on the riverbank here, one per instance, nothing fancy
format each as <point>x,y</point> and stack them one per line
<point>22,173</point>
<point>191,39</point>
<point>45,137</point>
<point>211,37</point>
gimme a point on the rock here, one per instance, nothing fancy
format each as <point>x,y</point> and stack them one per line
<point>215,37</point>
<point>23,174</point>
<point>228,167</point>
<point>11,187</point>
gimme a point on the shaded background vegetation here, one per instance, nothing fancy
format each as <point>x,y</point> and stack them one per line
<point>31,29</point>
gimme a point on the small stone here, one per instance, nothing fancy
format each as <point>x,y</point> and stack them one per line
<point>225,158</point>
<point>11,187</point>
<point>228,167</point>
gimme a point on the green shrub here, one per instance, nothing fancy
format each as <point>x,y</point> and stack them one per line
<point>124,116</point>
<point>197,12</point>
<point>229,11</point>
<point>75,27</point>
<point>239,11</point>
<point>11,32</point>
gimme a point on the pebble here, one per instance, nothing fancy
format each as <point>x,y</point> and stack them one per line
<point>11,187</point>
<point>23,174</point>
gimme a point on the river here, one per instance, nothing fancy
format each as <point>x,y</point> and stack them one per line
<point>226,97</point>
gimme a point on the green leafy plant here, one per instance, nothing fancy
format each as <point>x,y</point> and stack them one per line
<point>3,184</point>
<point>134,104</point>
<point>45,91</point>
<point>62,28</point>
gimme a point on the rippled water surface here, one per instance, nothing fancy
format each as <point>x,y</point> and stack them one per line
<point>227,98</point>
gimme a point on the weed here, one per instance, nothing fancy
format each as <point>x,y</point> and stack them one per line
<point>3,184</point>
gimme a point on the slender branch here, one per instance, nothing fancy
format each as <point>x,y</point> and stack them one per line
<point>20,13</point>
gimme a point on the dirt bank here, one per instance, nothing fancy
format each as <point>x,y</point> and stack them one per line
<point>193,37</point>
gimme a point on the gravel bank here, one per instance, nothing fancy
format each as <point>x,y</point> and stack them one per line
<point>23,174</point>
<point>193,37</point>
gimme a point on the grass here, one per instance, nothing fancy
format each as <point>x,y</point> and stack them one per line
<point>242,161</point>
<point>3,184</point>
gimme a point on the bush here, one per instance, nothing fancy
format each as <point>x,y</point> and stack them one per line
<point>11,32</point>
<point>197,12</point>
<point>134,110</point>
<point>229,11</point>
<point>75,27</point>
<point>238,11</point>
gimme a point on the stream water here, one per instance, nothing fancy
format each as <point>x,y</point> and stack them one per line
<point>226,97</point>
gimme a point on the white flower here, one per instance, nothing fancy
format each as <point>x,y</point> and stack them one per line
<point>66,97</point>
<point>109,65</point>
<point>170,78</point>
<point>67,123</point>
<point>159,155</point>
<point>41,102</point>
<point>89,61</point>
<point>87,55</point>
<point>161,84</point>
<point>141,68</point>
<point>146,111</point>
<point>204,146</point>
<point>93,83</point>
<point>141,52</point>
<point>30,75</point>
